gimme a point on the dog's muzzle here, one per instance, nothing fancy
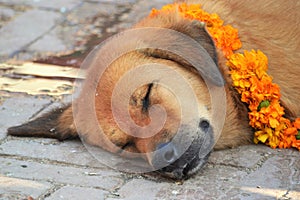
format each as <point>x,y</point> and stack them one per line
<point>180,165</point>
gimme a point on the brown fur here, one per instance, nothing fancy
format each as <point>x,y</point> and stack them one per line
<point>271,26</point>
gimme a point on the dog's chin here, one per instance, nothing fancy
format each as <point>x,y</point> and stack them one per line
<point>187,170</point>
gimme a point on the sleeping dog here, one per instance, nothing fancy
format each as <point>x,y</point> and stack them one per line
<point>273,27</point>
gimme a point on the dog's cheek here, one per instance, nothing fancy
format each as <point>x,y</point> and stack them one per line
<point>166,100</point>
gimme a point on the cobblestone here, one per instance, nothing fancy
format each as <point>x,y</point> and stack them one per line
<point>214,181</point>
<point>71,192</point>
<point>14,188</point>
<point>72,152</point>
<point>54,4</point>
<point>129,190</point>
<point>12,115</point>
<point>23,31</point>
<point>244,156</point>
<point>42,46</point>
<point>40,171</point>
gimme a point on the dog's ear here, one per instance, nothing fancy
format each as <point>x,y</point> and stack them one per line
<point>199,55</point>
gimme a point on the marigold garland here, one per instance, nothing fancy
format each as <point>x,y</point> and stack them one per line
<point>250,79</point>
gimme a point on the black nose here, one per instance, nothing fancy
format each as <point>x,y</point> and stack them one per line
<point>204,125</point>
<point>166,154</point>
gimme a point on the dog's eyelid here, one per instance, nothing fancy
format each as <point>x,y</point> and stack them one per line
<point>127,145</point>
<point>146,99</point>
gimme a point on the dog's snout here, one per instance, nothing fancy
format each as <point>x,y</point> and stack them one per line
<point>204,125</point>
<point>165,154</point>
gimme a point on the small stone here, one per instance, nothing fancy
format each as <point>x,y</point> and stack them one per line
<point>52,130</point>
<point>175,192</point>
<point>91,173</point>
<point>179,182</point>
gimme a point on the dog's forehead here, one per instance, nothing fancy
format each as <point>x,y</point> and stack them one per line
<point>172,100</point>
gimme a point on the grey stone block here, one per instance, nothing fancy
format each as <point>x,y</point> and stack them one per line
<point>72,152</point>
<point>25,29</point>
<point>15,188</point>
<point>212,182</point>
<point>244,156</point>
<point>142,9</point>
<point>294,193</point>
<point>49,43</point>
<point>87,11</point>
<point>136,188</point>
<point>277,178</point>
<point>71,192</point>
<point>88,177</point>
<point>119,2</point>
<point>278,172</point>
<point>15,111</point>
<point>55,4</point>
<point>138,11</point>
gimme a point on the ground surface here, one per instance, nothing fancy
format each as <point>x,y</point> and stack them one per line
<point>48,169</point>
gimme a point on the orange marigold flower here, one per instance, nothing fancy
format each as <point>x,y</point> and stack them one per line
<point>154,12</point>
<point>297,123</point>
<point>261,136</point>
<point>296,144</point>
<point>291,131</point>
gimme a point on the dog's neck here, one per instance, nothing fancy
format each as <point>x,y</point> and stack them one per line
<point>236,121</point>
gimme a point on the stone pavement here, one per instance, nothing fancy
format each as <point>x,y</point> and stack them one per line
<point>47,169</point>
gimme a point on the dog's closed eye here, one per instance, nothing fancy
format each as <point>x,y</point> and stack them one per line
<point>146,99</point>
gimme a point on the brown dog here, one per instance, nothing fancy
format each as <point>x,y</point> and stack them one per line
<point>271,26</point>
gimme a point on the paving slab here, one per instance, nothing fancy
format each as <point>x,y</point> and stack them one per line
<point>211,183</point>
<point>72,152</point>
<point>44,47</point>
<point>119,2</point>
<point>89,10</point>
<point>89,19</point>
<point>138,11</point>
<point>244,156</point>
<point>278,178</point>
<point>17,110</point>
<point>25,29</point>
<point>41,171</point>
<point>14,188</point>
<point>72,192</point>
<point>276,172</point>
<point>137,187</point>
<point>64,5</point>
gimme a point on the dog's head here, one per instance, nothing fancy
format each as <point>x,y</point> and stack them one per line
<point>161,119</point>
